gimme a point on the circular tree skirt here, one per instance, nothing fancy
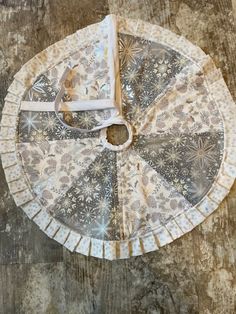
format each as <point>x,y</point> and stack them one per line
<point>173,166</point>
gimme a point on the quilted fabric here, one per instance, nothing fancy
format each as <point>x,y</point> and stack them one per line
<point>111,201</point>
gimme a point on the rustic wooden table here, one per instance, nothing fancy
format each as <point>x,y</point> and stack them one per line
<point>195,274</point>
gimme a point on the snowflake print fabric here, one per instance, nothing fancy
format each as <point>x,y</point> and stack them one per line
<point>117,201</point>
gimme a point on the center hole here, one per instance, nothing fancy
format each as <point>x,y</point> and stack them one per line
<point>117,134</point>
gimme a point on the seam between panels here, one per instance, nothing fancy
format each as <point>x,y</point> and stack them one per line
<point>75,180</point>
<point>169,184</point>
<point>195,207</point>
<point>157,99</point>
<point>125,209</point>
<point>71,185</point>
<point>217,131</point>
<point>113,62</point>
<point>154,109</point>
<point>120,191</point>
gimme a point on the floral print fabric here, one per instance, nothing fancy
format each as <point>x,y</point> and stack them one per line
<point>170,166</point>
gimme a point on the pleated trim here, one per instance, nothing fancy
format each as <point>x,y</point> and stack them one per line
<point>177,226</point>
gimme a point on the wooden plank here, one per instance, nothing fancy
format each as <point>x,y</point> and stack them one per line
<point>32,288</point>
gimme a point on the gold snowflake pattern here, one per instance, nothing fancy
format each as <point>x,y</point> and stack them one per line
<point>68,204</point>
<point>131,75</point>
<point>180,186</point>
<point>201,152</point>
<point>62,132</point>
<point>103,206</point>
<point>50,122</point>
<point>129,50</point>
<point>173,155</point>
<point>88,189</point>
<point>86,120</point>
<point>97,168</point>
<point>87,215</point>
<point>162,68</point>
<point>39,136</point>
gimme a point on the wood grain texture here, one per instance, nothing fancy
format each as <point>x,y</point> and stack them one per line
<point>195,274</point>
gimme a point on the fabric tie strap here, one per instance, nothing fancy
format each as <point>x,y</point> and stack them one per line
<point>114,102</point>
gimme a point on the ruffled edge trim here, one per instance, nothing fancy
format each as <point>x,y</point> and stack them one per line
<point>178,225</point>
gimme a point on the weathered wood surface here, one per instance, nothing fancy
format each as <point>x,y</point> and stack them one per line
<point>195,274</point>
